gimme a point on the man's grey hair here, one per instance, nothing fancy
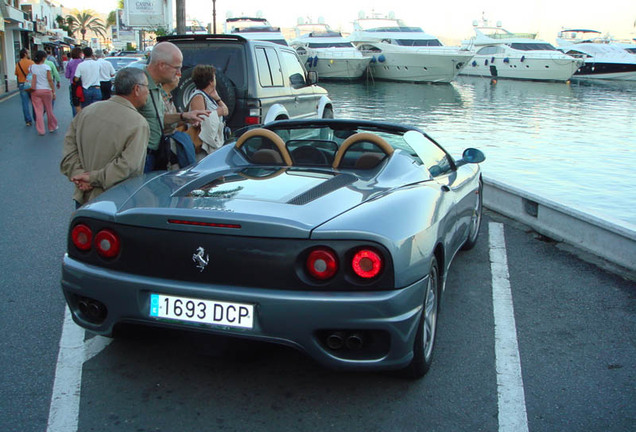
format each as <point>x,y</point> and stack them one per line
<point>99,54</point>
<point>126,79</point>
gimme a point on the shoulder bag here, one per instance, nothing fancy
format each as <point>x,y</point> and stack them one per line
<point>162,154</point>
<point>29,78</point>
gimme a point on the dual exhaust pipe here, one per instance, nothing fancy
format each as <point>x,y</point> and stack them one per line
<point>92,310</point>
<point>338,340</point>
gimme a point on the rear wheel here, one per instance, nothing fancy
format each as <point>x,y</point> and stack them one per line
<point>427,328</point>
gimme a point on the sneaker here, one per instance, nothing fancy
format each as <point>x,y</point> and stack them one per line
<point>29,123</point>
<point>54,129</point>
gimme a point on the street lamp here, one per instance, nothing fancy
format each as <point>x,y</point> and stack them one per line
<point>214,16</point>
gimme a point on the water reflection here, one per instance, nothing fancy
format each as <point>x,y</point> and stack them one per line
<point>572,143</point>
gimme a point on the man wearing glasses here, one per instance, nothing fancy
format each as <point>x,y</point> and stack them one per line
<point>164,67</point>
<point>106,142</point>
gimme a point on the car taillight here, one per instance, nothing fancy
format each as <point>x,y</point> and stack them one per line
<point>107,243</point>
<point>322,264</point>
<point>252,120</point>
<point>366,263</point>
<point>82,236</point>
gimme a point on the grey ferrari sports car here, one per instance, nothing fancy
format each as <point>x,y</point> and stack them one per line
<point>330,236</point>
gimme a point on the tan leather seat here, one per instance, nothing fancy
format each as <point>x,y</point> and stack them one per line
<point>267,157</point>
<point>369,160</point>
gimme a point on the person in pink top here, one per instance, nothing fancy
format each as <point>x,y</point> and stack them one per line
<point>43,93</point>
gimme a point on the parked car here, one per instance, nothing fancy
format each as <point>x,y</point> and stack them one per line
<point>259,81</point>
<point>331,236</point>
<point>119,62</point>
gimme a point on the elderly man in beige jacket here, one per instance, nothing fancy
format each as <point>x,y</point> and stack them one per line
<point>106,142</point>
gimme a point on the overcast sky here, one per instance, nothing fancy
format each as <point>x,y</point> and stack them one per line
<point>445,19</point>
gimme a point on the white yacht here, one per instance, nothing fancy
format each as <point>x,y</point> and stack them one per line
<point>328,53</point>
<point>254,28</point>
<point>502,54</point>
<point>603,58</point>
<point>401,53</point>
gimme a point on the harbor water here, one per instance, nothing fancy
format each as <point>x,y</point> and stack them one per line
<point>573,143</point>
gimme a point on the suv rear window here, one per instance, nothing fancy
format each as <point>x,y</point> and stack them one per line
<point>228,58</point>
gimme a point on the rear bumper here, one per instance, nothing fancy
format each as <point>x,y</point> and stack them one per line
<point>385,321</point>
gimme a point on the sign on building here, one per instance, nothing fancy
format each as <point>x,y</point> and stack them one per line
<point>123,32</point>
<point>146,13</point>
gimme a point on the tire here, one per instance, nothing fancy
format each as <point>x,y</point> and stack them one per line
<point>475,221</point>
<point>225,88</point>
<point>427,328</point>
<point>327,113</point>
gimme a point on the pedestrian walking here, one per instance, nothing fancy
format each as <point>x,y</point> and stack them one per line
<point>106,142</point>
<point>106,74</point>
<point>164,67</point>
<point>43,93</point>
<point>21,71</point>
<point>54,74</point>
<point>76,58</point>
<point>88,72</point>
<point>50,57</point>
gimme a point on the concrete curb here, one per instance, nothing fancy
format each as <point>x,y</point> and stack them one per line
<point>610,239</point>
<point>8,94</point>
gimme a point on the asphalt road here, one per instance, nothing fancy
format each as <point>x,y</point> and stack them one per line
<point>575,326</point>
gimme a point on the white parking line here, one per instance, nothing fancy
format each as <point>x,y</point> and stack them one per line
<point>65,400</point>
<point>511,399</point>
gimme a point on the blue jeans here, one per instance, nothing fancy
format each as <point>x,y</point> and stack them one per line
<point>25,96</point>
<point>91,94</point>
<point>150,163</point>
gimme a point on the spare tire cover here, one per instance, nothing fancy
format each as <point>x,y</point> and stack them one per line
<point>225,88</point>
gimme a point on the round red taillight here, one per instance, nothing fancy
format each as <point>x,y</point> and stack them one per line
<point>322,264</point>
<point>107,243</point>
<point>82,236</point>
<point>366,263</point>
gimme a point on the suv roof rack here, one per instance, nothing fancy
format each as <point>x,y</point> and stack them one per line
<point>200,37</point>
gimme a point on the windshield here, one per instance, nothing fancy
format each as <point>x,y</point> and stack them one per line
<point>331,45</point>
<point>419,42</point>
<point>530,46</point>
<point>228,58</point>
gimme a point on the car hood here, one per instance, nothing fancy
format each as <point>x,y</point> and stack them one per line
<point>251,201</point>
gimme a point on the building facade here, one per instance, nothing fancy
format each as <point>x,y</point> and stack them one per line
<point>28,24</point>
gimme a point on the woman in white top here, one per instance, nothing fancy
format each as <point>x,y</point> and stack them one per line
<point>207,98</point>
<point>43,93</point>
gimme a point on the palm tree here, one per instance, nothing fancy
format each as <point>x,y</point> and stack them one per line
<point>86,21</point>
<point>112,18</point>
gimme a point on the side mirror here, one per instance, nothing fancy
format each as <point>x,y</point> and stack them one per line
<point>297,80</point>
<point>471,155</point>
<point>312,77</point>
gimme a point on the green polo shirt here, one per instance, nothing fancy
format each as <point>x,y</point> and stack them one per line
<point>148,111</point>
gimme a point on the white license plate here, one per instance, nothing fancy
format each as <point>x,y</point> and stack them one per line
<point>202,311</point>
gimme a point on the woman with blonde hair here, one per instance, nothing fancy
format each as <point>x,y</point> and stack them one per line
<point>43,93</point>
<point>206,97</point>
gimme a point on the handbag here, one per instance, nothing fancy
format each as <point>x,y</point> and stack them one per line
<point>77,92</point>
<point>29,78</point>
<point>193,132</point>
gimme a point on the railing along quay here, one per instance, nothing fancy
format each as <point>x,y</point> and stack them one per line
<point>612,240</point>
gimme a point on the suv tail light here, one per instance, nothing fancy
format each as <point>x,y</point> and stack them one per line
<point>82,236</point>
<point>366,263</point>
<point>322,264</point>
<point>107,243</point>
<point>252,120</point>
